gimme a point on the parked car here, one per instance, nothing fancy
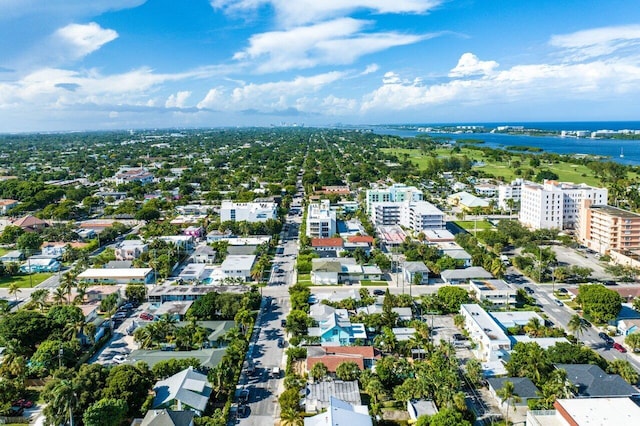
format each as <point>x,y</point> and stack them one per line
<point>528,289</point>
<point>618,347</point>
<point>119,359</point>
<point>283,323</point>
<point>585,322</point>
<point>146,316</point>
<point>281,342</point>
<point>379,292</point>
<point>563,290</point>
<point>23,403</point>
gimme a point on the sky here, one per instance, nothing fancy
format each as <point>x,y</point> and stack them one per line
<point>128,64</point>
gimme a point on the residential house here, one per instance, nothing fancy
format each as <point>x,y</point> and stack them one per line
<point>6,205</point>
<point>166,418</point>
<point>238,266</point>
<point>364,357</point>
<point>497,292</point>
<point>318,396</point>
<point>391,237</point>
<point>187,389</point>
<point>167,293</point>
<point>629,326</point>
<point>53,249</point>
<point>116,264</point>
<point>437,236</point>
<point>458,254</point>
<point>404,314</point>
<point>466,201</point>
<point>12,256</point>
<point>327,244</point>
<point>182,242</point>
<point>341,413</point>
<point>423,407</point>
<point>462,276</point>
<point>523,388</point>
<point>193,272</point>
<point>204,254</point>
<point>215,236</point>
<point>30,223</point>
<point>176,310</point>
<point>40,263</point>
<point>413,269</point>
<point>208,357</point>
<point>130,249</point>
<point>341,270</point>
<point>403,334</point>
<point>129,175</point>
<point>335,327</point>
<point>118,276</point>
<point>194,231</point>
<point>592,382</point>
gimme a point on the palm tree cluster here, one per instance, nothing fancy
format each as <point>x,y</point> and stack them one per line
<point>223,377</point>
<point>165,331</point>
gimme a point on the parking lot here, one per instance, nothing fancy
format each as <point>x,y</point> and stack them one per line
<point>569,257</point>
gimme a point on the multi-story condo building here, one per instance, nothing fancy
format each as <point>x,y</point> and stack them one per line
<point>555,205</point>
<point>415,215</point>
<point>511,191</point>
<point>606,228</point>
<point>321,220</point>
<point>395,193</point>
<point>250,212</point>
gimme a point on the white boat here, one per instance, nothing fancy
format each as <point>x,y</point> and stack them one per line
<point>621,153</point>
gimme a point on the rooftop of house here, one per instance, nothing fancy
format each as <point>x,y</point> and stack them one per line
<point>592,381</point>
<point>168,418</point>
<point>341,413</point>
<point>523,386</point>
<point>466,274</point>
<point>484,321</point>
<point>492,285</point>
<point>318,395</point>
<point>327,242</point>
<point>600,411</point>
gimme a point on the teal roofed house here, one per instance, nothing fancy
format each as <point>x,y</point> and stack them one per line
<point>334,326</point>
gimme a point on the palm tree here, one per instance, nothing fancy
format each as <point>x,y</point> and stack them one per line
<point>40,297</point>
<point>59,295</point>
<point>68,282</point>
<point>577,326</point>
<point>291,417</point>
<point>507,394</point>
<point>534,327</point>
<point>624,369</point>
<point>81,292</point>
<point>14,289</point>
<point>62,403</point>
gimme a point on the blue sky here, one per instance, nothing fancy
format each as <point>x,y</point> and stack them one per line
<point>120,64</point>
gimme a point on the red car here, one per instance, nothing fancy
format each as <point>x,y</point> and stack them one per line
<point>23,403</point>
<point>618,347</point>
<point>146,316</point>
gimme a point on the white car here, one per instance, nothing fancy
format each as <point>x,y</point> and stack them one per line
<point>119,359</point>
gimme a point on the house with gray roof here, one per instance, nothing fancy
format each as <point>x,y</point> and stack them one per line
<point>523,387</point>
<point>187,389</point>
<point>411,269</point>
<point>208,358</point>
<point>593,382</point>
<point>166,418</point>
<point>318,395</point>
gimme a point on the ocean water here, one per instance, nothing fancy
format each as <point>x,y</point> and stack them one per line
<point>611,148</point>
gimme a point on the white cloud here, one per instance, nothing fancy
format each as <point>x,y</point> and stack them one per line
<point>370,69</point>
<point>78,40</point>
<point>295,12</point>
<point>469,64</point>
<point>178,100</point>
<point>267,97</point>
<point>339,41</point>
<point>597,41</point>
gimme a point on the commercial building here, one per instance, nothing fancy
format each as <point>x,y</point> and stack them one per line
<point>321,220</point>
<point>511,191</point>
<point>395,193</point>
<point>415,215</point>
<point>586,412</point>
<point>604,228</point>
<point>250,212</point>
<point>555,205</point>
<point>130,175</point>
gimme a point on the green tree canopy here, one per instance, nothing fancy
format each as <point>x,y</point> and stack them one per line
<point>105,412</point>
<point>130,383</point>
<point>451,297</point>
<point>599,303</point>
<point>28,328</point>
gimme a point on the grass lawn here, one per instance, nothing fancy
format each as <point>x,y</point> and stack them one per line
<point>367,283</point>
<point>24,281</point>
<point>4,251</point>
<point>566,172</point>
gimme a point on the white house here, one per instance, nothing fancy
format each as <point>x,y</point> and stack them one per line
<point>238,266</point>
<point>187,389</point>
<point>498,292</point>
<point>204,254</point>
<point>341,413</point>
<point>321,220</point>
<point>411,269</point>
<point>130,249</point>
<point>462,276</point>
<point>118,275</point>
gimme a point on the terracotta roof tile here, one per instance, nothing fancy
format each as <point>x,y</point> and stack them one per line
<point>327,242</point>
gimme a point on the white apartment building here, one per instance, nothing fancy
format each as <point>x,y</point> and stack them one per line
<point>130,249</point>
<point>492,341</point>
<point>321,220</point>
<point>397,192</point>
<point>415,215</point>
<point>250,212</point>
<point>555,205</point>
<point>511,191</point>
<point>498,292</point>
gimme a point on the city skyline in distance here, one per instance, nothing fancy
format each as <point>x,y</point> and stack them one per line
<point>119,64</point>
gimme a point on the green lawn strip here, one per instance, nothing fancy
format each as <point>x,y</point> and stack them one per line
<point>24,281</point>
<point>4,251</point>
<point>367,283</point>
<point>471,226</point>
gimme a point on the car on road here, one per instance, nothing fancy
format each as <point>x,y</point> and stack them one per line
<point>146,316</point>
<point>283,323</point>
<point>618,347</point>
<point>585,323</point>
<point>243,398</point>
<point>558,302</point>
<point>281,342</point>
<point>119,359</point>
<point>563,290</point>
<point>604,336</point>
<point>119,316</point>
<point>23,403</point>
<point>528,289</point>
<point>378,292</point>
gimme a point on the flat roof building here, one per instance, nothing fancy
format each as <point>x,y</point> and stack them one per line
<point>604,228</point>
